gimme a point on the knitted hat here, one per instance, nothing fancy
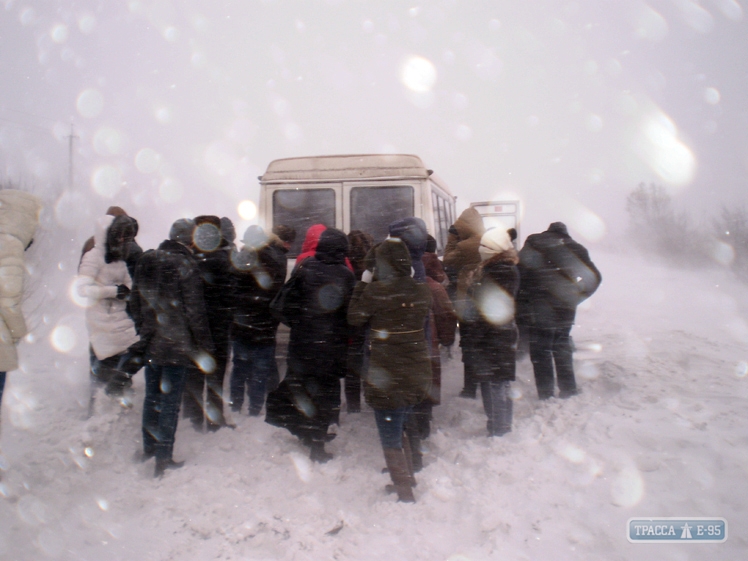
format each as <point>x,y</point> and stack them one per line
<point>493,242</point>
<point>182,231</point>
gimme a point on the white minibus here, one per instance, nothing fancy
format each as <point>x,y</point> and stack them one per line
<point>354,192</point>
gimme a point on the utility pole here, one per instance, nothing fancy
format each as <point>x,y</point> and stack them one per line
<point>71,139</point>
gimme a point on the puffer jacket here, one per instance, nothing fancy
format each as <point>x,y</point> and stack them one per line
<point>461,253</point>
<point>111,330</point>
<point>19,217</point>
<point>493,334</point>
<point>396,306</point>
<point>557,274</point>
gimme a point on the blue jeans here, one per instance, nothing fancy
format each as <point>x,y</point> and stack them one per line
<point>164,385</point>
<point>390,423</point>
<point>253,366</point>
<point>498,407</point>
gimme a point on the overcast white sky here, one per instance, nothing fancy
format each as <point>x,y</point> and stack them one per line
<point>566,105</point>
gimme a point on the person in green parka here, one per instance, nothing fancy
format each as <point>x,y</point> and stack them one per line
<point>399,375</point>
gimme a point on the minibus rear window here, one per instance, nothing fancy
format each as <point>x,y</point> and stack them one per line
<point>301,209</point>
<point>373,209</point>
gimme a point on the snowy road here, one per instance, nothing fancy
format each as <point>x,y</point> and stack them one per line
<point>659,430</point>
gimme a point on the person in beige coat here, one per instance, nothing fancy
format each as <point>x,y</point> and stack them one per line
<point>19,217</point>
<point>461,259</point>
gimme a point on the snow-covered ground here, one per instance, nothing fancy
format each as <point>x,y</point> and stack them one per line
<point>659,430</point>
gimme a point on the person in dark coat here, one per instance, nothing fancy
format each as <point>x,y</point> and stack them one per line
<point>287,236</point>
<point>171,317</point>
<point>307,399</point>
<point>259,272</point>
<point>399,374</point>
<point>360,243</point>
<point>556,276</point>
<point>412,232</point>
<point>443,320</point>
<point>213,256</point>
<point>461,257</point>
<point>493,331</point>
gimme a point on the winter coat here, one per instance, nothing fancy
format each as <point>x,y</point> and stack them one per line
<point>434,268</point>
<point>319,330</point>
<point>110,328</point>
<point>305,400</point>
<point>396,307</point>
<point>168,305</point>
<point>493,332</point>
<point>256,279</point>
<point>443,322</point>
<point>556,275</point>
<point>461,253</point>
<point>215,271</point>
<point>19,217</point>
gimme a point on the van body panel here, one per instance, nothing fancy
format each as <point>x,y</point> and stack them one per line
<point>368,192</point>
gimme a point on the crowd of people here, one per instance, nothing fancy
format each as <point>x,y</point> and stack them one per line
<point>372,315</point>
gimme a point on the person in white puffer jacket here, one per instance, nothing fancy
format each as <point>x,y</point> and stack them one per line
<point>105,282</point>
<point>19,217</point>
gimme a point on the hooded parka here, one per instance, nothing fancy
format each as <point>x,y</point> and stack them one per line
<point>396,307</point>
<point>102,270</point>
<point>19,217</point>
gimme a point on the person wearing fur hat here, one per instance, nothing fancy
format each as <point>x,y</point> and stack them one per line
<point>105,282</point>
<point>203,394</point>
<point>173,326</point>
<point>557,275</point>
<point>19,217</point>
<point>258,274</point>
<point>461,257</point>
<point>492,340</point>
<point>399,375</point>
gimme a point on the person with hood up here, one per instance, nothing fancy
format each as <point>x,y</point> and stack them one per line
<point>314,307</point>
<point>556,274</point>
<point>399,374</point>
<point>493,332</point>
<point>203,394</point>
<point>173,325</point>
<point>259,272</point>
<point>412,232</point>
<point>461,258</point>
<point>103,279</point>
<point>309,247</point>
<point>19,217</point>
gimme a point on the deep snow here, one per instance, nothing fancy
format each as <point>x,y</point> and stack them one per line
<point>659,430</point>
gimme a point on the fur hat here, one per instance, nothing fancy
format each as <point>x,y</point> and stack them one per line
<point>493,242</point>
<point>182,231</point>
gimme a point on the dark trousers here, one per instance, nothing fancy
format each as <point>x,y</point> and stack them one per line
<point>470,385</point>
<point>254,365</point>
<point>2,386</point>
<point>390,425</point>
<point>198,408</point>
<point>358,364</point>
<point>549,345</point>
<point>163,392</point>
<point>498,407</point>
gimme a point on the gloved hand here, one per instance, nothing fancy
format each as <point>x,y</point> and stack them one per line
<point>368,276</point>
<point>123,293</point>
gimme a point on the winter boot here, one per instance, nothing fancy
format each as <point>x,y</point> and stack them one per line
<point>162,464</point>
<point>402,480</point>
<point>318,453</point>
